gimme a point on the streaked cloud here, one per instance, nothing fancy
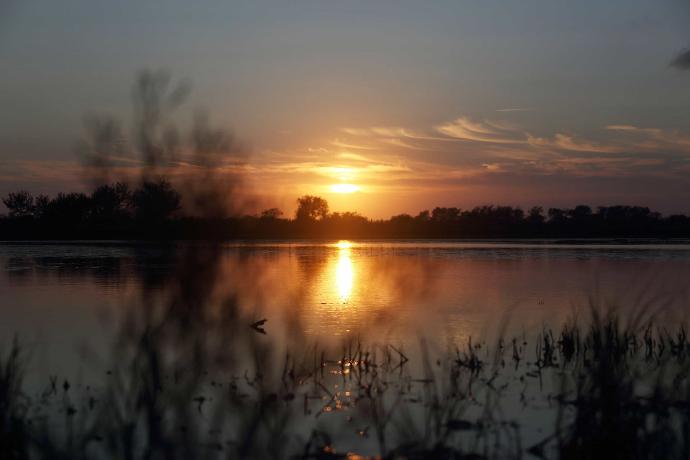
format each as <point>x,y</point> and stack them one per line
<point>462,157</point>
<point>464,128</point>
<point>392,132</point>
<point>653,138</point>
<point>353,156</point>
<point>339,143</point>
<point>513,109</point>
<point>571,143</point>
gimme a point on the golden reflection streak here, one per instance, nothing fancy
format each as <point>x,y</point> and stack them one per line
<point>344,272</point>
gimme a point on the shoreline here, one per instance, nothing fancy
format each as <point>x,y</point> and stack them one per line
<point>260,241</point>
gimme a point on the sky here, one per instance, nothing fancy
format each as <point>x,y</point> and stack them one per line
<point>381,107</point>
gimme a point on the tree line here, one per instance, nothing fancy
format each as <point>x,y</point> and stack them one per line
<point>153,210</point>
<point>113,210</point>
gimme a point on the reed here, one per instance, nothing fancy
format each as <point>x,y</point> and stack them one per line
<point>601,388</point>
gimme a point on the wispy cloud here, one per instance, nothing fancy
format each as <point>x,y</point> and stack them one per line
<point>353,156</point>
<point>653,138</point>
<point>387,132</point>
<point>397,142</point>
<point>571,143</point>
<point>513,109</point>
<point>464,128</point>
<point>346,145</point>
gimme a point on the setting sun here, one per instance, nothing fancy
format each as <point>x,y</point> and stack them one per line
<point>344,188</point>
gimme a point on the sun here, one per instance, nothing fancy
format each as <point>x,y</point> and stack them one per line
<point>344,188</point>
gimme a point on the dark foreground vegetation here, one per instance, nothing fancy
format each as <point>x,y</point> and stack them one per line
<point>153,210</point>
<point>597,390</point>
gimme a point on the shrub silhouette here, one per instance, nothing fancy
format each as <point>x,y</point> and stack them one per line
<point>155,201</point>
<point>20,204</point>
<point>111,202</point>
<point>311,207</point>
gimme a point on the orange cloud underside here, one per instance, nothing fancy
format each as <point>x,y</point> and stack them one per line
<point>379,171</point>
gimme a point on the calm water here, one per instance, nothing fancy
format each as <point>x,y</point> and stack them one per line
<point>65,299</point>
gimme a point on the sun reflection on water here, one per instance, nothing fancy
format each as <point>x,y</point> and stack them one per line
<point>344,272</point>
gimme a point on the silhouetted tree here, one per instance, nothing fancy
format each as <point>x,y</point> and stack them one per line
<point>272,213</point>
<point>311,207</point>
<point>41,204</point>
<point>580,212</point>
<point>401,224</point>
<point>535,216</point>
<point>493,220</point>
<point>110,202</point>
<point>534,221</point>
<point>557,216</point>
<point>68,208</point>
<point>445,215</point>
<point>20,204</point>
<point>423,216</point>
<point>677,224</point>
<point>155,201</point>
<point>112,211</point>
<point>402,219</point>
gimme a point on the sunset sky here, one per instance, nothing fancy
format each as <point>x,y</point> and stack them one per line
<point>381,107</point>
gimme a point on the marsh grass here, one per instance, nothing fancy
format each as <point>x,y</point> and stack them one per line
<point>618,391</point>
<point>13,405</point>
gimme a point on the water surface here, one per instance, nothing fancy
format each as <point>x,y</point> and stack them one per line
<point>65,299</point>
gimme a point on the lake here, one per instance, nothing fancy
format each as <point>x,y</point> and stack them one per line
<point>65,299</point>
<point>332,336</point>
